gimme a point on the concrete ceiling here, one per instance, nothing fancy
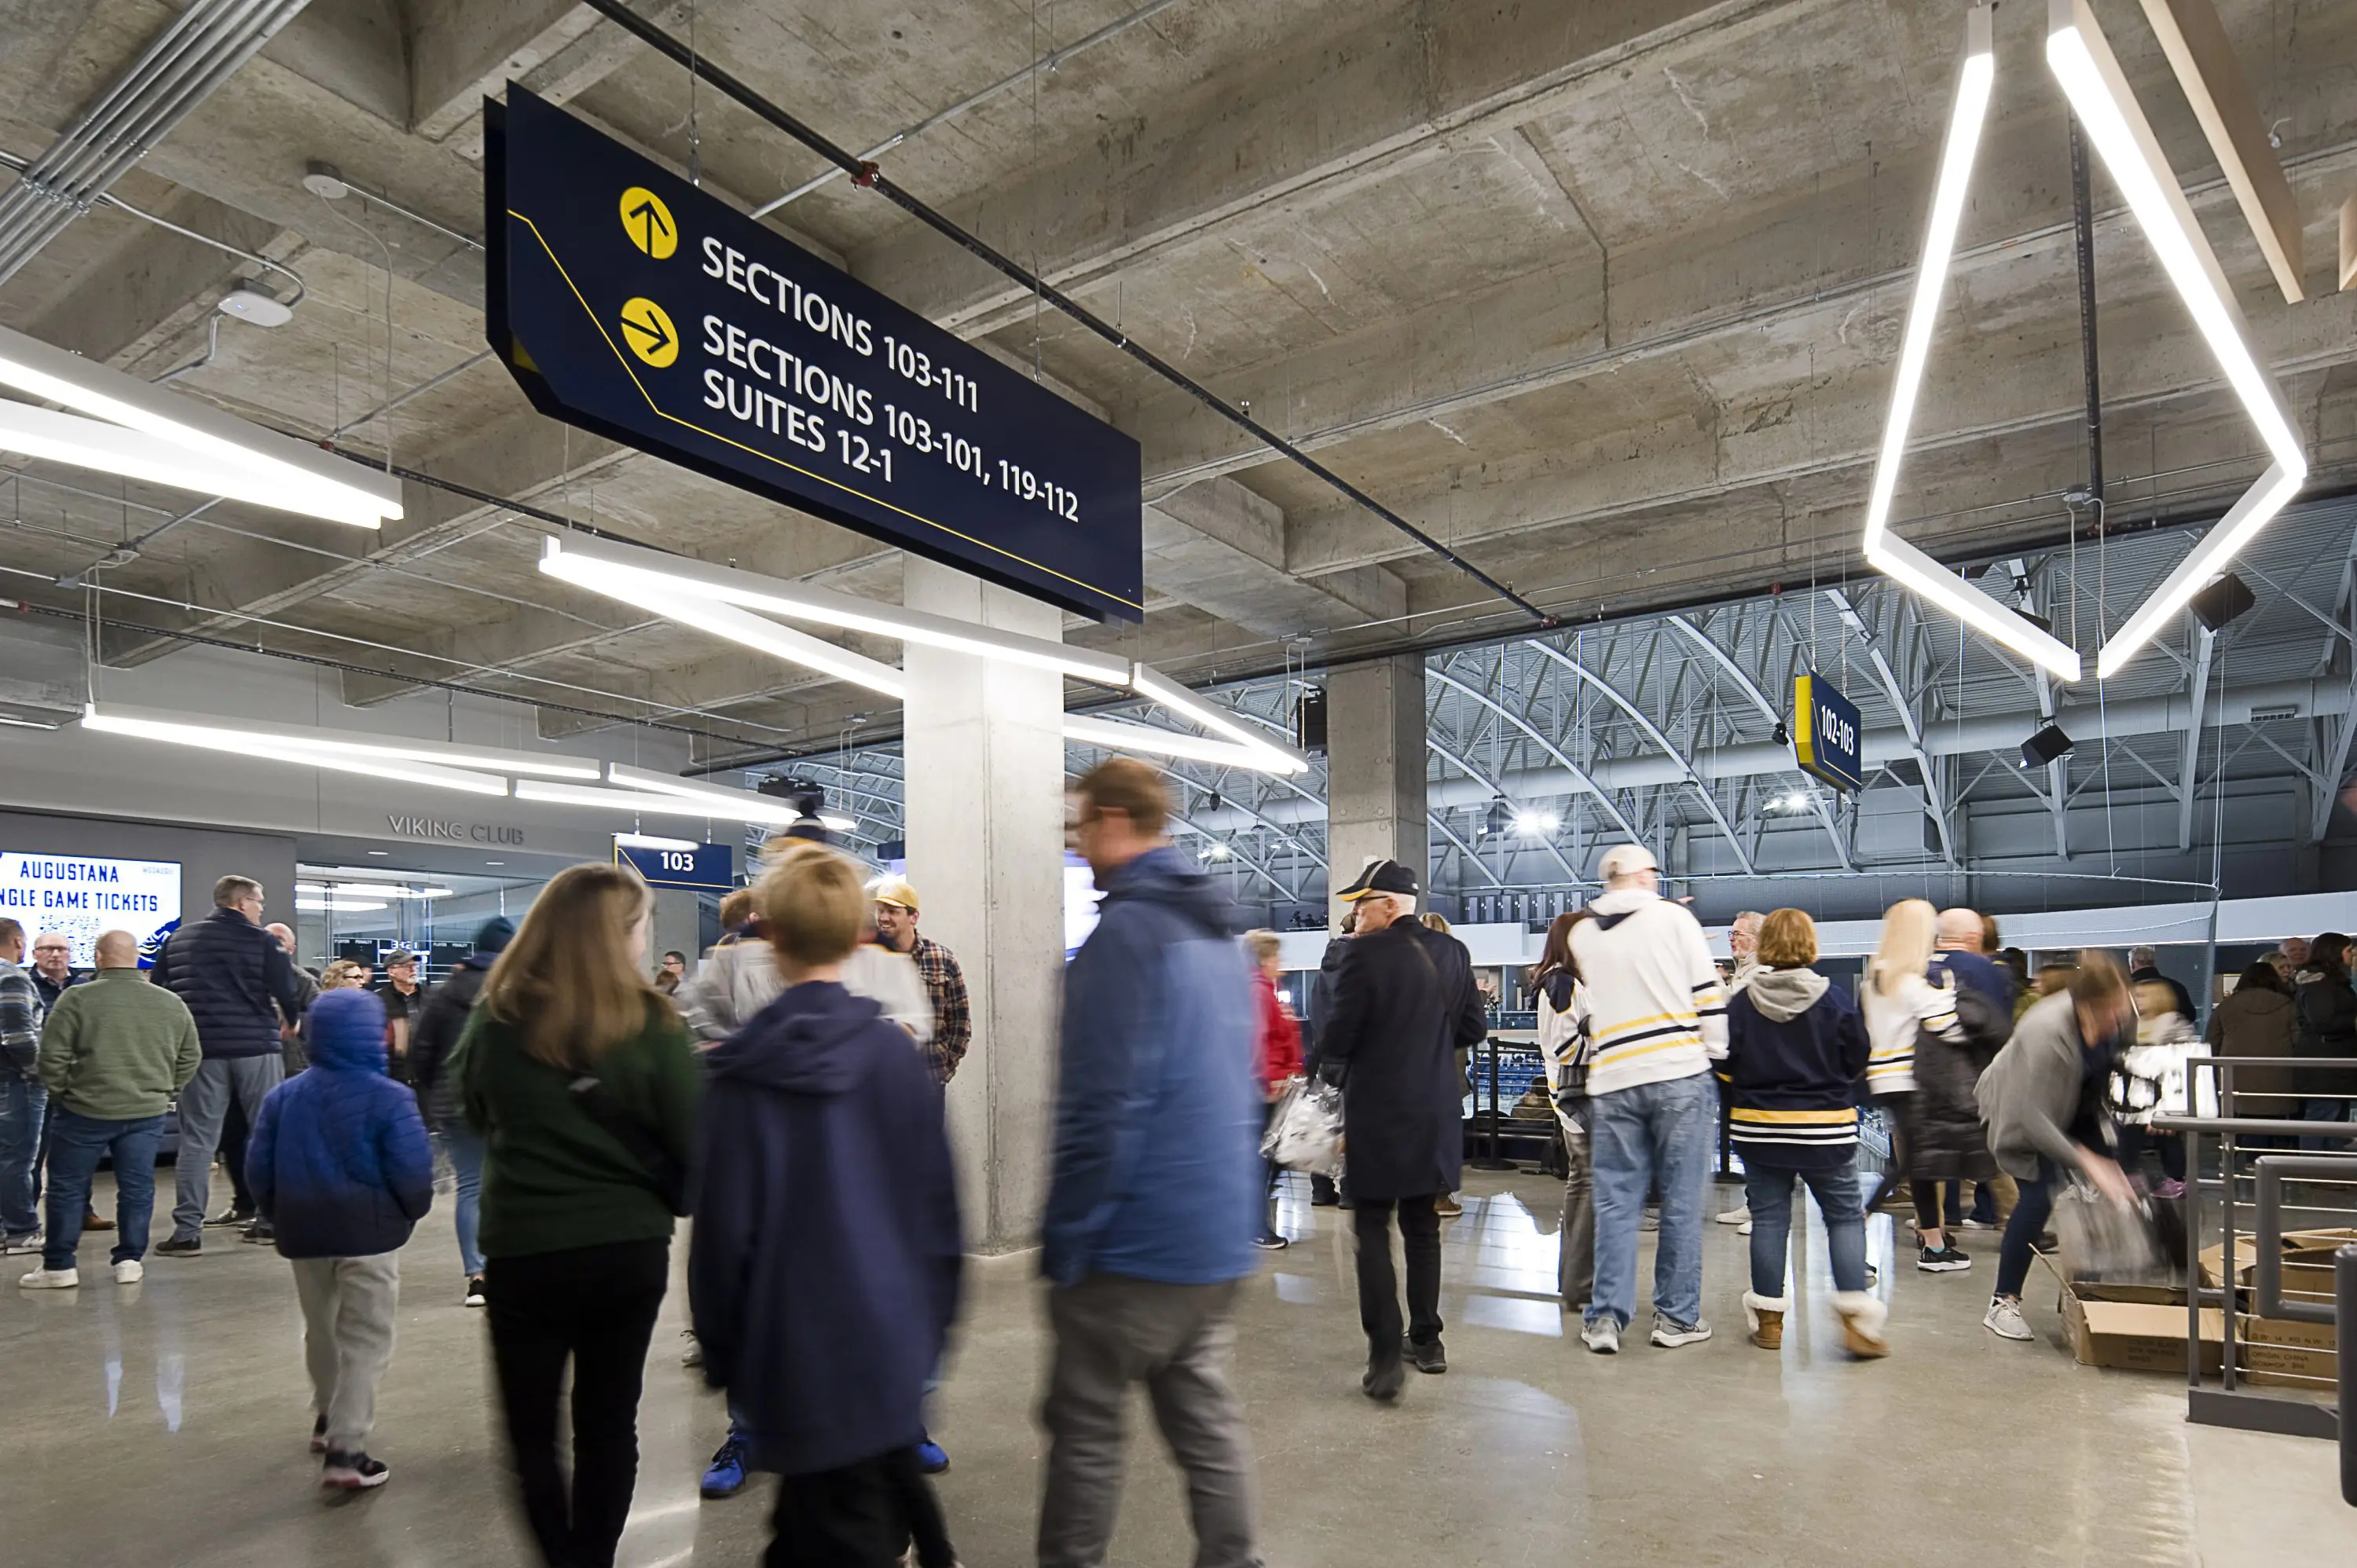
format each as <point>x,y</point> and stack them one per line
<point>1604,294</point>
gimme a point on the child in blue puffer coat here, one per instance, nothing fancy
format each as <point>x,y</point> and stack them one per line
<point>338,1163</point>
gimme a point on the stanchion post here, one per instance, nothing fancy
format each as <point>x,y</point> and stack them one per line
<point>2344,1300</point>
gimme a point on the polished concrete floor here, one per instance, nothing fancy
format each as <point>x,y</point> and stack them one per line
<point>165,1423</point>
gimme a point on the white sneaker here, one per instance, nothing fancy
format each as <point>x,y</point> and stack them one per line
<point>1669,1333</point>
<point>1744,1229</point>
<point>2004,1320</point>
<point>52,1279</point>
<point>1738,1215</point>
<point>1601,1336</point>
<point>30,1241</point>
<point>129,1271</point>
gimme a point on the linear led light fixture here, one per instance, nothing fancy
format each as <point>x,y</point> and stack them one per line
<point>334,906</point>
<point>592,564</point>
<point>2090,78</point>
<point>145,432</point>
<point>653,841</point>
<point>1113,735</point>
<point>743,807</point>
<point>763,636</point>
<point>369,890</point>
<point>1168,694</point>
<point>1911,568</point>
<point>349,743</point>
<point>719,802</point>
<point>250,739</point>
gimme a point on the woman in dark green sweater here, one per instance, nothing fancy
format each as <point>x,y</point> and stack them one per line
<point>580,1080</point>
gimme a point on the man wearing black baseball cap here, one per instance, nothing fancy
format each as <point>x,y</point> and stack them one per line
<point>1404,1003</point>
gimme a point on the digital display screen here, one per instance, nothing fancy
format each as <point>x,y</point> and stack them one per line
<point>82,898</point>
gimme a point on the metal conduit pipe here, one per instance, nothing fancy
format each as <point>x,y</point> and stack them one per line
<point>2003,733</point>
<point>195,54</point>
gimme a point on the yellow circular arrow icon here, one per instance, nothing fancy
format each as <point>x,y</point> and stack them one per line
<point>648,222</point>
<point>648,330</point>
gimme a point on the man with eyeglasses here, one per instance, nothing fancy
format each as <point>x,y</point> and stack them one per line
<point>53,969</point>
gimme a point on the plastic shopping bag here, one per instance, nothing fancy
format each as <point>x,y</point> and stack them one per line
<point>2138,1244</point>
<point>1305,1134</point>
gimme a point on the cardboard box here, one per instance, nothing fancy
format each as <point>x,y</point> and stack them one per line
<point>2137,1328</point>
<point>2307,1255</point>
<point>2275,1352</point>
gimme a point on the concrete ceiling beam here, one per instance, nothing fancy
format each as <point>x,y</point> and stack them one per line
<point>1340,108</point>
<point>1222,548</point>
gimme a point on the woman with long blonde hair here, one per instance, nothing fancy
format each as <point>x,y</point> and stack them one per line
<point>582,1084</point>
<point>1911,1027</point>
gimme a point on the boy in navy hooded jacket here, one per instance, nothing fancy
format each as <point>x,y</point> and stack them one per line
<point>825,1266</point>
<point>338,1163</point>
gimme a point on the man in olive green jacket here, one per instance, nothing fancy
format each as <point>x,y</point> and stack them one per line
<point>114,1053</point>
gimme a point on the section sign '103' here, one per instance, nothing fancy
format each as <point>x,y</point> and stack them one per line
<point>627,302</point>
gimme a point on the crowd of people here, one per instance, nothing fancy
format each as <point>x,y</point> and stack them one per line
<point>788,1093</point>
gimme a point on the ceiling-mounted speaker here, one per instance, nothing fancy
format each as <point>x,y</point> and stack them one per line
<point>1309,721</point>
<point>2045,747</point>
<point>2221,602</point>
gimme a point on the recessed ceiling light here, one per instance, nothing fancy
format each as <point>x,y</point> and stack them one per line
<point>495,863</point>
<point>380,852</point>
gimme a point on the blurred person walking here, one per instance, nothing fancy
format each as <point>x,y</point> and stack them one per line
<point>951,1012</point>
<point>307,987</point>
<point>1795,1051</point>
<point>1919,1072</point>
<point>1325,1191</point>
<point>342,1169</point>
<point>825,1262</point>
<point>2042,1102</point>
<point>1982,990</point>
<point>1564,1048</point>
<point>1658,1013</point>
<point>433,1047</point>
<point>114,1052</point>
<point>1404,1005</point>
<point>1154,1200</point>
<point>2144,968</point>
<point>2327,1027</point>
<point>1448,1206</point>
<point>580,1081</point>
<point>238,983</point>
<point>1276,1059</point>
<point>403,1000</point>
<point>674,970</point>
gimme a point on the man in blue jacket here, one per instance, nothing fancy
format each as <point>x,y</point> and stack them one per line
<point>1154,1204</point>
<point>824,1265</point>
<point>235,978</point>
<point>339,1165</point>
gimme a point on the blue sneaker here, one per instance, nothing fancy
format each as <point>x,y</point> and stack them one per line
<point>726,1477</point>
<point>930,1459</point>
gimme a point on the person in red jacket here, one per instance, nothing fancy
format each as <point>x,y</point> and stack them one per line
<point>1277,1058</point>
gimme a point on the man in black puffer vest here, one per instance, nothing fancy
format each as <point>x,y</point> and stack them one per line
<point>234,977</point>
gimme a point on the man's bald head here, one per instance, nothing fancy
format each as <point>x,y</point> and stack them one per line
<point>118,949</point>
<point>286,935</point>
<point>1960,930</point>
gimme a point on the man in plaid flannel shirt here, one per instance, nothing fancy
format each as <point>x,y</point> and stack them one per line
<point>22,1097</point>
<point>896,923</point>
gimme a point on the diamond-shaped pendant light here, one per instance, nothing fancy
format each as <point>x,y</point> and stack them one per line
<point>2082,63</point>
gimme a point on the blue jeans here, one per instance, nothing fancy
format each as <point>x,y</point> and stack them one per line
<point>466,1151</point>
<point>1768,1190</point>
<point>2325,1110</point>
<point>1654,1134</point>
<point>22,1098</point>
<point>2030,1214</point>
<point>75,1143</point>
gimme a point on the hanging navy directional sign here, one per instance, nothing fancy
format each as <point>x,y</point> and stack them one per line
<point>1826,732</point>
<point>627,302</point>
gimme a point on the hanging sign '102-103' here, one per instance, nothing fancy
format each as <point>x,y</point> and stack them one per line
<point>1827,733</point>
<point>627,302</point>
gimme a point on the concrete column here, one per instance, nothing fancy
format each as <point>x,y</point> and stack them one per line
<point>1375,768</point>
<point>985,825</point>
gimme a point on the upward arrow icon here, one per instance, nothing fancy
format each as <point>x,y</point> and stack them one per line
<point>648,222</point>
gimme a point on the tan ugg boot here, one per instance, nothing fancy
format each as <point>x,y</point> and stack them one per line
<point>1764,1316</point>
<point>1862,1318</point>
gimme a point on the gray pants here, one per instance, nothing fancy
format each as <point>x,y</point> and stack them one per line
<point>204,1106</point>
<point>347,1306</point>
<point>1111,1332</point>
<point>1576,1268</point>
